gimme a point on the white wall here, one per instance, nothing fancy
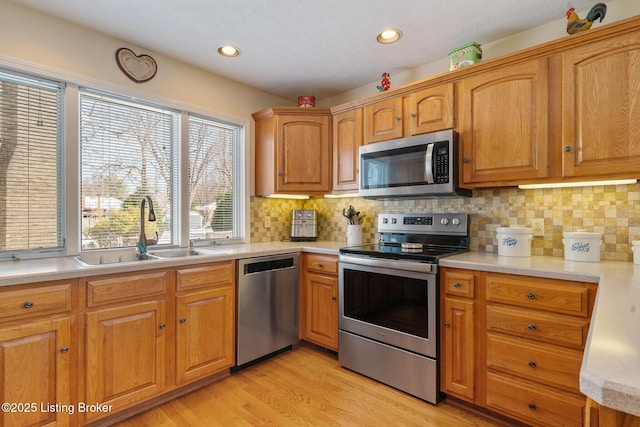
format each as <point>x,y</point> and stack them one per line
<point>50,43</point>
<point>616,10</point>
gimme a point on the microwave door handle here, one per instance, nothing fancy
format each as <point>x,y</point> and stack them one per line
<point>428,164</point>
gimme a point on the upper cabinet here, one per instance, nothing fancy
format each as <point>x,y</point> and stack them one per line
<point>425,110</point>
<point>504,123</point>
<point>383,120</point>
<point>431,109</point>
<point>293,151</point>
<point>601,112</point>
<point>347,139</point>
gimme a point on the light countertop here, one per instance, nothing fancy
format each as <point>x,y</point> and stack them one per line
<point>610,371</point>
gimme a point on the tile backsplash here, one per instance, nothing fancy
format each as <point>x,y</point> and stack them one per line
<point>611,210</point>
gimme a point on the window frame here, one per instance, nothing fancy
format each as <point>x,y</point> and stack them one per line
<point>71,180</point>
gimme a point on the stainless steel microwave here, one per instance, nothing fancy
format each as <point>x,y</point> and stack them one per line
<point>419,166</point>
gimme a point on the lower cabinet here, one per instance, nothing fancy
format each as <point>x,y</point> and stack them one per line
<point>125,340</point>
<point>513,344</point>
<point>36,354</point>
<point>205,329</point>
<point>319,300</point>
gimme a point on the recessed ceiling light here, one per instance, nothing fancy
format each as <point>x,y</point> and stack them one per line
<point>389,36</point>
<point>229,51</point>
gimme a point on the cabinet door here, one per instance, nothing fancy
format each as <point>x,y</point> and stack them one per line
<point>431,109</point>
<point>601,113</point>
<point>321,323</point>
<point>205,336</point>
<point>505,124</point>
<point>34,370</point>
<point>383,120</point>
<point>125,354</point>
<point>303,161</point>
<point>459,348</point>
<point>347,139</point>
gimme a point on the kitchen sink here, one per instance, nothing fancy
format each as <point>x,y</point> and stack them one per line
<point>174,253</point>
<point>116,256</point>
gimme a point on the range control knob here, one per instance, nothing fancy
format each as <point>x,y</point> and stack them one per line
<point>455,221</point>
<point>444,221</point>
<point>385,220</point>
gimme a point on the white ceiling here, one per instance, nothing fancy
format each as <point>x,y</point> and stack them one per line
<point>306,47</point>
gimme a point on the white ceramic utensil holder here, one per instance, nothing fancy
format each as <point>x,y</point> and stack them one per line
<point>354,234</point>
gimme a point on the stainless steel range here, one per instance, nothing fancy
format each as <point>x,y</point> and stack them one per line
<point>388,293</point>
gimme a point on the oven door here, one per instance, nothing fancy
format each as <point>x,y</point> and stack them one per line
<point>394,302</point>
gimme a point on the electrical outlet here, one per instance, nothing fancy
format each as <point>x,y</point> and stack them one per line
<point>537,226</point>
<point>267,222</point>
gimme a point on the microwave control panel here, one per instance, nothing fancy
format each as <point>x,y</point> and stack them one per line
<point>441,163</point>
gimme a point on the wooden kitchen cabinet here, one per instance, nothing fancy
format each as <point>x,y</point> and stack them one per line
<point>36,353</point>
<point>431,109</point>
<point>383,120</point>
<point>293,151</point>
<point>536,332</point>
<point>504,124</point>
<point>600,113</point>
<point>319,300</point>
<point>205,328</point>
<point>347,139</point>
<point>458,346</point>
<point>125,339</point>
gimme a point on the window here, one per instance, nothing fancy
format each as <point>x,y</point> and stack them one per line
<point>128,151</point>
<point>30,165</point>
<point>214,176</point>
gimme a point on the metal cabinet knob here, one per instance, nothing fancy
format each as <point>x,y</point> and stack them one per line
<point>162,326</point>
<point>320,265</point>
<point>532,406</point>
<point>531,327</point>
<point>413,115</point>
<point>334,298</point>
<point>446,324</point>
<point>28,304</point>
<point>398,118</point>
<point>182,320</point>
<point>531,295</point>
<point>568,148</point>
<point>532,364</point>
<point>456,285</point>
<point>64,350</point>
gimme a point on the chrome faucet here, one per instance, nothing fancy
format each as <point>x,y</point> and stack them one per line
<point>152,217</point>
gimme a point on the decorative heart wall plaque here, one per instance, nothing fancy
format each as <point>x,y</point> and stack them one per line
<point>138,68</point>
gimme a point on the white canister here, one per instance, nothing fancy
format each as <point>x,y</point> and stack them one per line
<point>354,234</point>
<point>635,248</point>
<point>514,241</point>
<point>582,246</point>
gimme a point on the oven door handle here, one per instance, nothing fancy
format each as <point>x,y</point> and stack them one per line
<point>420,267</point>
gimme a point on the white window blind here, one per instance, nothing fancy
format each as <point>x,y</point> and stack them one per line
<point>214,179</point>
<point>30,164</point>
<point>128,152</point>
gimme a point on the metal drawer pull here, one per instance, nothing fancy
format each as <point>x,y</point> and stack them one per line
<point>532,406</point>
<point>28,304</point>
<point>532,364</point>
<point>531,327</point>
<point>531,295</point>
<point>456,285</point>
<point>320,265</point>
<point>64,350</point>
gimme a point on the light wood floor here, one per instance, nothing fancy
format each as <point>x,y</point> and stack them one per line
<point>303,387</point>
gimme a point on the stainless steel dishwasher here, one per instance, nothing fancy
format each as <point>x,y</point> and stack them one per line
<point>267,305</point>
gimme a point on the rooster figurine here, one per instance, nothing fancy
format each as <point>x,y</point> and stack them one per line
<point>575,24</point>
<point>385,84</point>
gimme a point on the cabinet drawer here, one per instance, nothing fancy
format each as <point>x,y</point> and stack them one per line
<point>325,264</point>
<point>222,273</point>
<point>551,365</point>
<point>17,303</point>
<point>542,294</point>
<point>533,404</point>
<point>110,289</point>
<point>550,328</point>
<point>459,283</point>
